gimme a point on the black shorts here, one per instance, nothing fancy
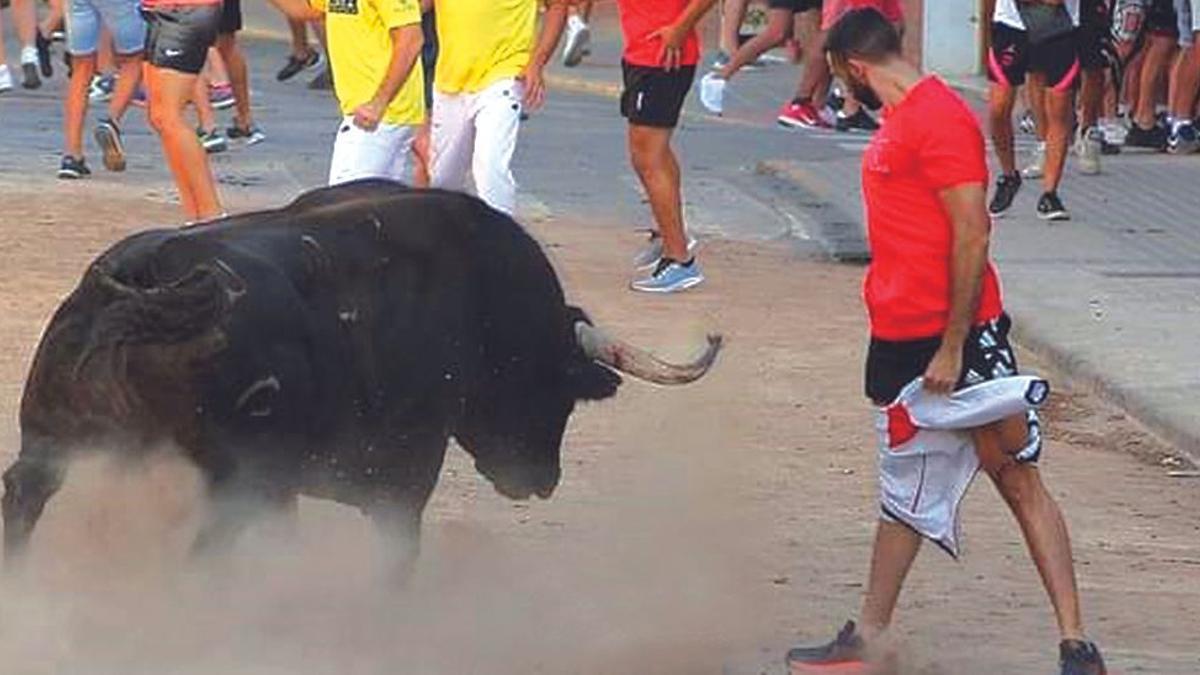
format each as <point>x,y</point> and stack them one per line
<point>653,97</point>
<point>1161,19</point>
<point>178,37</point>
<point>1095,34</point>
<point>231,17</point>
<point>798,6</point>
<point>1012,57</point>
<point>891,366</point>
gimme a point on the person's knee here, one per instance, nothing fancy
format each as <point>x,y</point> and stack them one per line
<point>1020,485</point>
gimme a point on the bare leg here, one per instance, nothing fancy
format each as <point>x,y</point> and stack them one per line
<point>1000,109</point>
<point>170,92</point>
<point>239,77</point>
<point>106,61</point>
<point>1091,97</point>
<point>300,46</point>
<point>1056,107</point>
<point>1158,53</point>
<point>76,104</point>
<point>128,78</point>
<point>733,13</point>
<point>206,117</point>
<point>24,15</point>
<point>653,160</point>
<point>1039,516</point>
<point>814,83</point>
<point>1183,97</point>
<point>896,547</point>
<point>421,153</point>
<point>779,27</point>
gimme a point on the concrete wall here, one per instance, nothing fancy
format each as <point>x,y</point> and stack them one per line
<point>951,41</point>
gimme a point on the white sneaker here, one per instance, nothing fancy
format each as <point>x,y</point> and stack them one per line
<point>6,81</point>
<point>1036,163</point>
<point>1114,131</point>
<point>712,93</point>
<point>1087,146</point>
<point>579,36</point>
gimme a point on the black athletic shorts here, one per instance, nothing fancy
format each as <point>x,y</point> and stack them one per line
<point>653,97</point>
<point>231,17</point>
<point>891,366</point>
<point>798,6</point>
<point>178,37</point>
<point>1095,34</point>
<point>1161,18</point>
<point>1012,57</point>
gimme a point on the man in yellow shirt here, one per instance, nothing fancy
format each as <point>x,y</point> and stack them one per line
<point>374,46</point>
<point>489,67</point>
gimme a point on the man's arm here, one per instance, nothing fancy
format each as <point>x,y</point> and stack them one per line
<point>298,10</point>
<point>675,35</point>
<point>553,22</point>
<point>968,260</point>
<point>407,42</point>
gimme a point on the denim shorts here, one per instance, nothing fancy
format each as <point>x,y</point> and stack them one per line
<point>84,19</point>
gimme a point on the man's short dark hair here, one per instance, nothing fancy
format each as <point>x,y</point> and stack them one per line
<point>864,35</point>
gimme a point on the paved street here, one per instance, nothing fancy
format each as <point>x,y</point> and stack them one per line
<point>704,530</point>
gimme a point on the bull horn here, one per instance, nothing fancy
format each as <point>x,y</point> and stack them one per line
<point>641,364</point>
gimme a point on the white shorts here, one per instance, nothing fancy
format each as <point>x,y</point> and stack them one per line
<point>385,152</point>
<point>476,135</point>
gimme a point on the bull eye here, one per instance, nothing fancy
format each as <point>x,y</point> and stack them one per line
<point>256,400</point>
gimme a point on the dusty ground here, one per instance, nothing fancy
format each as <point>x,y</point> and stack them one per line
<point>696,530</point>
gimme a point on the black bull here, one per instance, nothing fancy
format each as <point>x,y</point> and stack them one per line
<point>331,349</point>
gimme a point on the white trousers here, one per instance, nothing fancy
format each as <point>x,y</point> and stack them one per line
<point>476,135</point>
<point>385,152</point>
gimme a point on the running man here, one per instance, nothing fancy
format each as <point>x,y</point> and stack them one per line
<point>490,64</point>
<point>935,310</point>
<point>375,53</point>
<point>662,49</point>
<point>579,35</point>
<point>85,20</point>
<point>1047,52</point>
<point>179,35</point>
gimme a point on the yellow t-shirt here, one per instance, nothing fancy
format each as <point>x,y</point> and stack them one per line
<point>360,49</point>
<point>482,41</point>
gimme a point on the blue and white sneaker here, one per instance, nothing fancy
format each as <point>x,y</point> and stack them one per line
<point>671,276</point>
<point>647,259</point>
<point>1183,139</point>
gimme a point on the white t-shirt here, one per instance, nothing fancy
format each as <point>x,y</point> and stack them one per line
<point>1007,14</point>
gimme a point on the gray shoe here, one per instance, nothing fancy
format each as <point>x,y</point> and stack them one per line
<point>649,256</point>
<point>1088,147</point>
<point>670,276</point>
<point>108,137</point>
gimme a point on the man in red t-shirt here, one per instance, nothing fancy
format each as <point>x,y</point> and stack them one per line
<point>662,49</point>
<point>935,310</point>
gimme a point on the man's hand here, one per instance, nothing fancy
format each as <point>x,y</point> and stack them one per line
<point>535,86</point>
<point>673,38</point>
<point>368,115</point>
<point>941,377</point>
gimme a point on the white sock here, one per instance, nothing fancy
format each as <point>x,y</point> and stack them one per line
<point>29,55</point>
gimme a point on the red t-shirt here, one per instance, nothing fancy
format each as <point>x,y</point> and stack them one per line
<point>640,18</point>
<point>929,142</point>
<point>832,10</point>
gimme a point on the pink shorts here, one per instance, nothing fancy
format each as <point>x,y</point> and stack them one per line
<point>834,9</point>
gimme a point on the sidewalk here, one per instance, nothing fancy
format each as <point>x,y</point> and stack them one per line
<point>1111,297</point>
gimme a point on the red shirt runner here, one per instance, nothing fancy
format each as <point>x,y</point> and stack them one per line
<point>929,142</point>
<point>640,18</point>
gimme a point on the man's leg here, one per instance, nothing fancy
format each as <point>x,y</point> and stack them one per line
<point>359,154</point>
<point>169,91</point>
<point>1058,114</point>
<point>655,164</point>
<point>1183,137</point>
<point>497,121</point>
<point>453,139</point>
<point>239,77</point>
<point>896,547</point>
<point>1144,132</point>
<point>24,16</point>
<point>814,83</point>
<point>75,108</point>
<point>1000,108</point>
<point>1038,515</point>
<point>733,13</point>
<point>779,27</point>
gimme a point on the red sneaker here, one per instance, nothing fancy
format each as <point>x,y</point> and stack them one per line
<point>804,115</point>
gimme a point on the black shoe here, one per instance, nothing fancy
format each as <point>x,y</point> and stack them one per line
<point>30,71</point>
<point>1154,138</point>
<point>108,137</point>
<point>1050,207</point>
<point>846,649</point>
<point>1006,191</point>
<point>43,51</point>
<point>72,168</point>
<point>294,66</point>
<point>859,121</point>
<point>1080,658</point>
<point>1109,149</point>
<point>323,81</point>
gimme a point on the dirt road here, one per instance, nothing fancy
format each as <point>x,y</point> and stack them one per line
<point>696,530</point>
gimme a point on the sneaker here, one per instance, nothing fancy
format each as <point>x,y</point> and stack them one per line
<point>108,137</point>
<point>42,45</point>
<point>579,36</point>
<point>671,276</point>
<point>859,121</point>
<point>323,81</point>
<point>1037,161</point>
<point>649,256</point>
<point>846,651</point>
<point>1006,191</point>
<point>1080,658</point>
<point>1154,138</point>
<point>101,89</point>
<point>802,114</point>
<point>1114,131</point>
<point>1183,140</point>
<point>1088,147</point>
<point>1050,207</point>
<point>252,135</point>
<point>295,66</point>
<point>1027,124</point>
<point>73,169</point>
<point>835,101</point>
<point>213,141</point>
<point>712,93</point>
<point>6,81</point>
<point>29,68</point>
<point>221,96</point>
